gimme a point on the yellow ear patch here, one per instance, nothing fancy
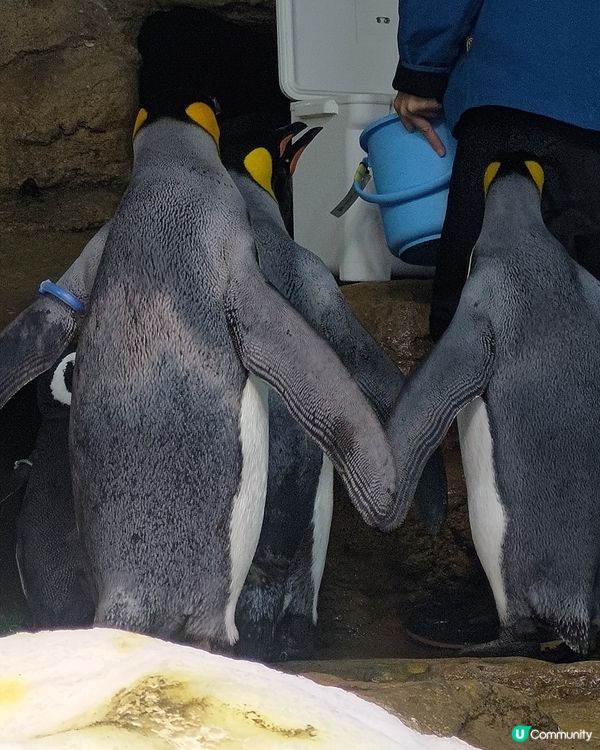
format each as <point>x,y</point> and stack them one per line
<point>203,115</point>
<point>259,166</point>
<point>141,118</point>
<point>489,175</point>
<point>537,173</point>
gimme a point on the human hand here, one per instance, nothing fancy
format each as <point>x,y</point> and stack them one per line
<point>415,113</point>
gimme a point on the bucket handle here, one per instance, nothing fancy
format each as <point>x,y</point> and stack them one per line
<point>420,191</point>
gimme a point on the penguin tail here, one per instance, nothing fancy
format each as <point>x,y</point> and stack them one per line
<point>569,617</point>
<point>576,633</point>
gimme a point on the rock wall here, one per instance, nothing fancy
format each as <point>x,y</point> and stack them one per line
<point>68,97</point>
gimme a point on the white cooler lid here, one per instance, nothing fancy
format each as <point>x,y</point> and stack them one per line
<point>337,47</point>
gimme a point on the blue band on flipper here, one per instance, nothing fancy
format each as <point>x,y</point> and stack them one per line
<point>48,287</point>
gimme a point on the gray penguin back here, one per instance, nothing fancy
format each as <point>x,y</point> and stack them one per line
<point>542,402</point>
<point>155,421</point>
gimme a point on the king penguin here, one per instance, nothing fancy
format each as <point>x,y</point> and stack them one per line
<point>277,610</point>
<point>169,432</point>
<point>519,368</point>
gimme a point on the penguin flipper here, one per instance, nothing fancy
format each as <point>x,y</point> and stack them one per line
<point>455,372</point>
<point>37,338</point>
<point>32,343</point>
<point>276,344</point>
<point>309,286</point>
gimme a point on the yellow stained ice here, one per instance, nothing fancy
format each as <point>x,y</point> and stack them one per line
<point>12,691</point>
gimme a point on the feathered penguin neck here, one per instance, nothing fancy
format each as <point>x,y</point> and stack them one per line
<point>512,210</point>
<point>261,206</point>
<point>171,139</point>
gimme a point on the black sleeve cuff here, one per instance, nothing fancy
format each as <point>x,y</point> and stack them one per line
<point>420,83</point>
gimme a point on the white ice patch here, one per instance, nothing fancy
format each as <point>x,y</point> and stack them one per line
<point>322,513</point>
<point>58,386</point>
<point>249,502</point>
<point>486,512</point>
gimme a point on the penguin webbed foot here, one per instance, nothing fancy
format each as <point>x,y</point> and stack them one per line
<point>527,638</point>
<point>505,645</point>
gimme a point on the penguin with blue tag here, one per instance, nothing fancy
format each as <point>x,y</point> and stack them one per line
<point>277,610</point>
<point>168,440</point>
<point>518,367</point>
<point>39,336</point>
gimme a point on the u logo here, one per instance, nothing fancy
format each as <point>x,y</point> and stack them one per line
<point>520,733</point>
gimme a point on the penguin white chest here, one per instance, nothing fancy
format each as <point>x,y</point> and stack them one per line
<point>322,515</point>
<point>249,502</point>
<point>486,512</point>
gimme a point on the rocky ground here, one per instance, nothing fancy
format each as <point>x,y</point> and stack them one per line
<point>477,700</point>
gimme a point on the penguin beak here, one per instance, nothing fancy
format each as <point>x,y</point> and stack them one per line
<point>294,151</point>
<point>287,133</point>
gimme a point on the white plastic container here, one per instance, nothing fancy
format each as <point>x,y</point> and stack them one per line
<point>337,59</point>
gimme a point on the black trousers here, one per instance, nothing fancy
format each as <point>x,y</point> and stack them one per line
<point>570,199</point>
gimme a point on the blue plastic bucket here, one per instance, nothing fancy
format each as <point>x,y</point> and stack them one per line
<point>411,183</point>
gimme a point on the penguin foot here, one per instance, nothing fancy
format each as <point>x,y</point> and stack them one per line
<point>524,638</point>
<point>503,647</point>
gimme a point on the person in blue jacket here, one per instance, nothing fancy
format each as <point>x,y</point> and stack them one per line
<point>509,75</point>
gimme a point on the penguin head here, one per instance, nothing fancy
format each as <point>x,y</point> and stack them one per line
<point>513,185</point>
<point>55,386</point>
<point>198,112</point>
<point>516,163</point>
<point>269,156</point>
<point>180,71</point>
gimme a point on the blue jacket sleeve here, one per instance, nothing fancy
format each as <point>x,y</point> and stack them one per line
<point>431,36</point>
